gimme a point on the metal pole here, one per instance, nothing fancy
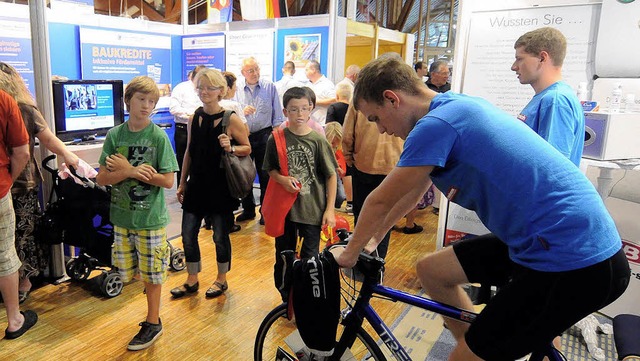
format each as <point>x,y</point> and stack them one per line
<point>44,100</point>
<point>184,15</point>
<point>450,33</point>
<point>426,32</point>
<point>333,4</point>
<point>417,47</point>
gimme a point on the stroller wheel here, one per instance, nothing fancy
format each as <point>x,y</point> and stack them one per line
<point>77,270</point>
<point>178,262</point>
<point>112,284</point>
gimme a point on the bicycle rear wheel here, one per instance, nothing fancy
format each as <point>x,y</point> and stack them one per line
<point>276,331</point>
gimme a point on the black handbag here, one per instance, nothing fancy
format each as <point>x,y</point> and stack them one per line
<point>240,171</point>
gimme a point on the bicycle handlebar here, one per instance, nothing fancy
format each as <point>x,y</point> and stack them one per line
<point>368,264</point>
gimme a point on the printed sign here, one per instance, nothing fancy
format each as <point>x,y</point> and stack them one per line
<point>255,43</point>
<point>112,54</point>
<point>207,50</point>
<point>15,48</point>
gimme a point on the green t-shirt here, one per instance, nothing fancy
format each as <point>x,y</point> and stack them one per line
<point>134,204</point>
<point>311,162</point>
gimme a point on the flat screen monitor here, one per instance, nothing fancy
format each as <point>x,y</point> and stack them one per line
<point>85,109</point>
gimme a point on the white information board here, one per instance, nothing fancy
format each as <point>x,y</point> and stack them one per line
<point>246,43</point>
<point>487,72</point>
<point>490,52</point>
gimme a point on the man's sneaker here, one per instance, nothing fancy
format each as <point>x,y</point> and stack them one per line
<point>148,334</point>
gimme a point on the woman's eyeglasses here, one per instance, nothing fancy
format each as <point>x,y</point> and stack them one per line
<point>208,88</point>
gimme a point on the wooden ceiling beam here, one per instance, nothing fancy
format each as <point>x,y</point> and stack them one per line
<point>404,15</point>
<point>307,8</point>
<point>324,7</point>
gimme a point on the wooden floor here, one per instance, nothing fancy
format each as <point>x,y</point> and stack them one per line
<point>77,323</point>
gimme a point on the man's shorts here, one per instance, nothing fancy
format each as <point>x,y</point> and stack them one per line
<point>9,261</point>
<point>141,251</point>
<point>532,307</point>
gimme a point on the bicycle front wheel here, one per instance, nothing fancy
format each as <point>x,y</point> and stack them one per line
<point>277,331</point>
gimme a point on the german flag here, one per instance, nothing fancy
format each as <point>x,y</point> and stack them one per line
<point>277,9</point>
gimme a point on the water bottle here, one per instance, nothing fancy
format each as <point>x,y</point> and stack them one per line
<point>630,103</point>
<point>582,93</point>
<point>616,98</point>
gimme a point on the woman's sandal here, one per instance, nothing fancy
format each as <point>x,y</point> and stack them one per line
<point>184,290</point>
<point>213,292</point>
<point>22,296</point>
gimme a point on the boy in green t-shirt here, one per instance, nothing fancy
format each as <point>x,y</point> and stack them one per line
<point>312,172</point>
<point>138,161</point>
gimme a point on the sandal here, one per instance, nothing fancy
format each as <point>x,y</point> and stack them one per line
<point>213,292</point>
<point>184,289</point>
<point>30,319</point>
<point>22,296</point>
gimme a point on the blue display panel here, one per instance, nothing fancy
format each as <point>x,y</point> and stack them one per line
<point>84,109</point>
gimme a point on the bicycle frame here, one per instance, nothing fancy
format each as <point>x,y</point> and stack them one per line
<point>363,310</point>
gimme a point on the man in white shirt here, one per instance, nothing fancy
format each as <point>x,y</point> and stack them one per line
<point>184,102</point>
<point>324,89</point>
<point>287,81</point>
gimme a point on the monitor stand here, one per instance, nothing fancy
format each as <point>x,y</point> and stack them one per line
<point>88,139</point>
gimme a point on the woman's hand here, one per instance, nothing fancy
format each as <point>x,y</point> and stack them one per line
<point>70,159</point>
<point>180,192</point>
<point>225,142</point>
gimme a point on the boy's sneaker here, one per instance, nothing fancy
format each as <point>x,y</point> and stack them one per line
<point>148,334</point>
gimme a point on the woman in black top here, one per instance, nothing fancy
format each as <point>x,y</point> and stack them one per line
<point>203,189</point>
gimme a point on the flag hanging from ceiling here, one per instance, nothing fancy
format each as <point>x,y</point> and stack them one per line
<point>219,11</point>
<point>280,8</point>
<point>277,9</point>
<point>263,9</point>
<point>253,9</point>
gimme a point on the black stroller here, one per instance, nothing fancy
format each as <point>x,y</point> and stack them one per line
<point>79,216</point>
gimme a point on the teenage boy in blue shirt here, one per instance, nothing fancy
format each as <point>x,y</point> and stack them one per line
<point>556,249</point>
<point>554,112</point>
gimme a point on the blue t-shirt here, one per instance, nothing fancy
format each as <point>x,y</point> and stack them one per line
<point>533,198</point>
<point>557,116</point>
